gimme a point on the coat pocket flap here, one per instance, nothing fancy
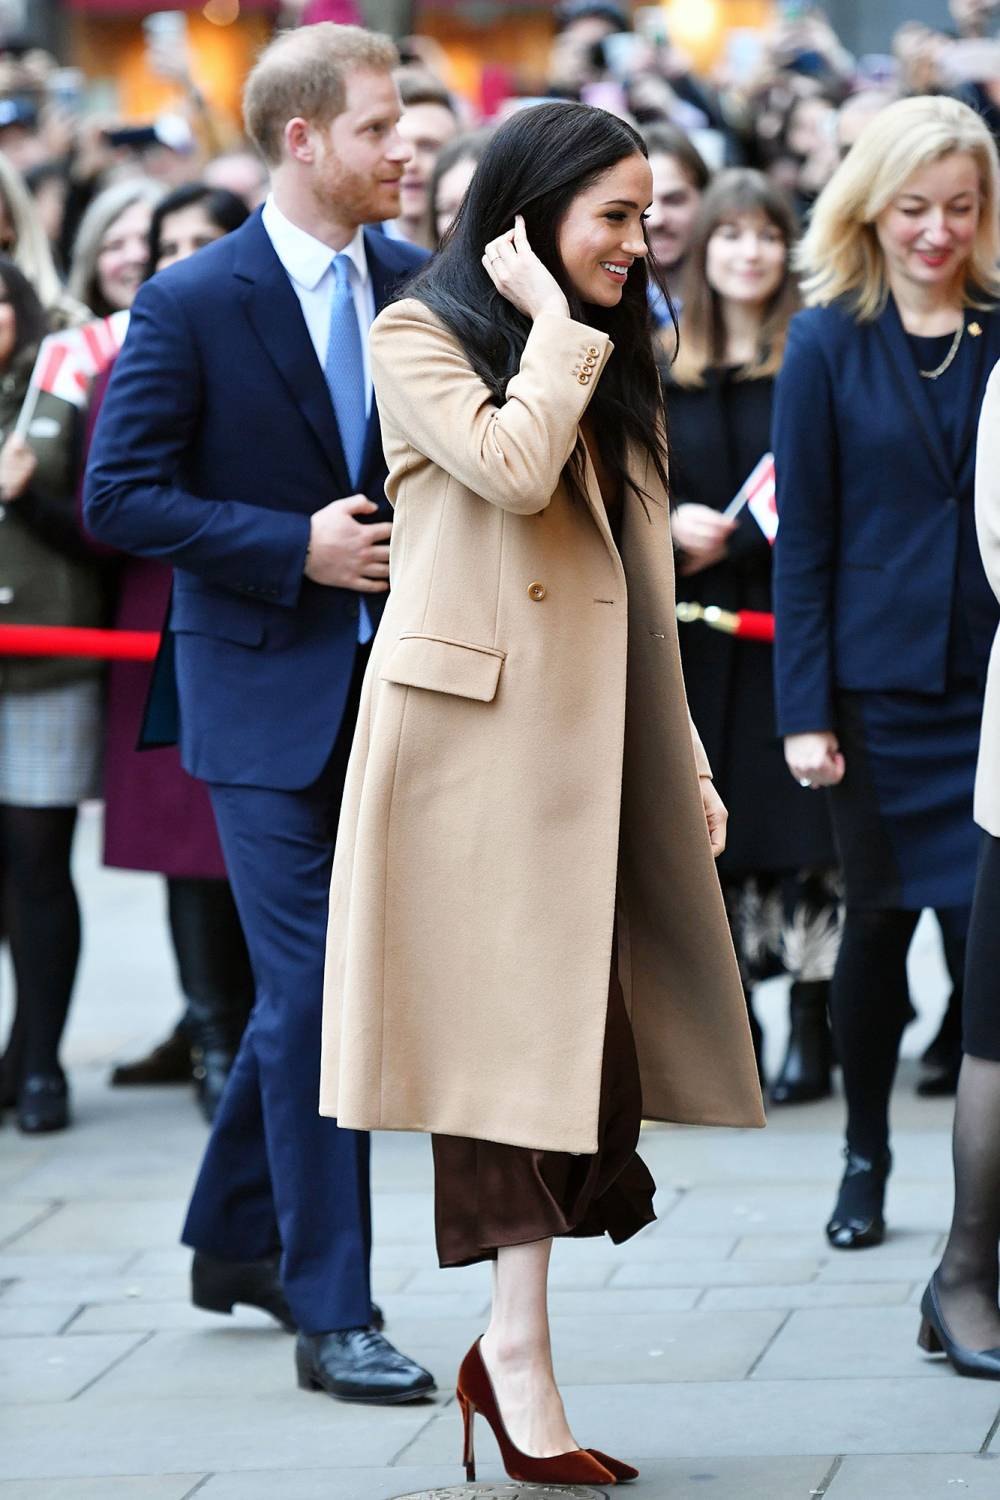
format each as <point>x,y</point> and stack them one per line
<point>444,666</point>
<point>232,619</point>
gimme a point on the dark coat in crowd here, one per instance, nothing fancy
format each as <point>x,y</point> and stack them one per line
<point>878,567</point>
<point>156,816</point>
<point>46,575</point>
<point>718,434</point>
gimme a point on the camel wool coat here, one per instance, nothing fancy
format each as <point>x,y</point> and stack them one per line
<point>524,765</point>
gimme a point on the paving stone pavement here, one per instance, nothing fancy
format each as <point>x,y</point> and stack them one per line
<point>726,1348</point>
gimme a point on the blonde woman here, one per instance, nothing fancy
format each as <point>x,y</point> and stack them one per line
<point>885,616</point>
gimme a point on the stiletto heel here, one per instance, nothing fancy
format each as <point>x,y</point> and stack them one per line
<point>476,1395</point>
<point>468,1418</point>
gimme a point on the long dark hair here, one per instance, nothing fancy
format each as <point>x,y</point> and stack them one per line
<point>222,208</point>
<point>30,322</point>
<point>535,165</point>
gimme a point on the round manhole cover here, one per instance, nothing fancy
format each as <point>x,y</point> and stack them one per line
<point>508,1491</point>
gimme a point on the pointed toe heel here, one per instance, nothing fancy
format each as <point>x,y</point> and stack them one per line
<point>476,1396</point>
<point>624,1473</point>
<point>935,1337</point>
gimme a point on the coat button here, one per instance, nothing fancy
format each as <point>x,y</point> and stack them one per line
<point>589,362</point>
<point>592,351</point>
<point>536,591</point>
<point>583,378</point>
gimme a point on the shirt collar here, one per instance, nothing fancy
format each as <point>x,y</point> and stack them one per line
<point>305,258</point>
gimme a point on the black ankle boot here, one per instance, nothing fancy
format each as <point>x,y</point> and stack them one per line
<point>857,1220</point>
<point>805,1072</point>
<point>42,1103</point>
<point>215,1032</point>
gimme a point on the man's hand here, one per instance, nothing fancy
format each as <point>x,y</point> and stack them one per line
<point>345,553</point>
<point>814,759</point>
<point>17,468</point>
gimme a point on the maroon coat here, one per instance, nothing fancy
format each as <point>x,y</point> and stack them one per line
<point>156,816</point>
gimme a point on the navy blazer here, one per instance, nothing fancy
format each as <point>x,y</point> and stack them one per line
<point>876,546</point>
<point>216,442</point>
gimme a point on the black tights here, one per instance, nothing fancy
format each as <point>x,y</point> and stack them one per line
<point>870,1008</point>
<point>967,1276</point>
<point>43,928</point>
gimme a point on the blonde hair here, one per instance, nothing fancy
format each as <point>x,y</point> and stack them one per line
<point>303,73</point>
<point>30,250</point>
<point>840,255</point>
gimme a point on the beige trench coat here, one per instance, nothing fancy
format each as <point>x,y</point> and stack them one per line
<point>523,720</point>
<point>987,803</point>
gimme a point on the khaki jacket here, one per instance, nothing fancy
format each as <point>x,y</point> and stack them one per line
<point>523,765</point>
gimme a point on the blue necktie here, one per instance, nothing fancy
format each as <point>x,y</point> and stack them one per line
<point>345,370</point>
<point>345,378</point>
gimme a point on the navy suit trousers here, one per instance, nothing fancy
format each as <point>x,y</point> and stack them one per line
<point>276,1175</point>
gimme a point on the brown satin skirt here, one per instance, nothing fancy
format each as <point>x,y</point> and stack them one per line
<point>487,1195</point>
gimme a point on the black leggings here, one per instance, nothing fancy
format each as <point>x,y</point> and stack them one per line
<point>870,1008</point>
<point>43,927</point>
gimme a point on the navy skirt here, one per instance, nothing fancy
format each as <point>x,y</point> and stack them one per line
<point>902,816</point>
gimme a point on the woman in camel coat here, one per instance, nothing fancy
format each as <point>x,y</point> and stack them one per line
<point>526,805</point>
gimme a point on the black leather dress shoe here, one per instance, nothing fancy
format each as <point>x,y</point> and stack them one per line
<point>42,1103</point>
<point>359,1364</point>
<point>217,1285</point>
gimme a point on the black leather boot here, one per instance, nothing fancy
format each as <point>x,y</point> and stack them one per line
<point>805,1072</point>
<point>215,975</point>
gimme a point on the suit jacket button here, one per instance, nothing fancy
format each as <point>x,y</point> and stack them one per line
<point>592,351</point>
<point>583,378</point>
<point>589,362</point>
<point>536,591</point>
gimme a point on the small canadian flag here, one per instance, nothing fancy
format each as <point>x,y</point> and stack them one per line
<point>758,494</point>
<point>68,362</point>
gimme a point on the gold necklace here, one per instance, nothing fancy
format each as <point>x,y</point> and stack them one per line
<point>948,359</point>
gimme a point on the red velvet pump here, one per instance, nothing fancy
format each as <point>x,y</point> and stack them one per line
<point>475,1394</point>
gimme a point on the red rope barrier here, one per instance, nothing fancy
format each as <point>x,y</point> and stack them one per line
<point>65,640</point>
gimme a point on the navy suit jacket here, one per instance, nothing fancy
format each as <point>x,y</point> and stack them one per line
<point>876,552</point>
<point>216,442</point>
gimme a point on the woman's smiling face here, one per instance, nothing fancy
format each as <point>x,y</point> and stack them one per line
<point>601,234</point>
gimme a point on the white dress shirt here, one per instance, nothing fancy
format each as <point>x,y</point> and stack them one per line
<point>309,265</point>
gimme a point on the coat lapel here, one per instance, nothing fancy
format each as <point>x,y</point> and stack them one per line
<point>890,330</point>
<point>276,317</point>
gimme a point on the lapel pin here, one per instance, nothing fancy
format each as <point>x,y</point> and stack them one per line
<point>975,330</point>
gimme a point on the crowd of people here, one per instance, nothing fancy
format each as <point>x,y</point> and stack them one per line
<point>796,263</point>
